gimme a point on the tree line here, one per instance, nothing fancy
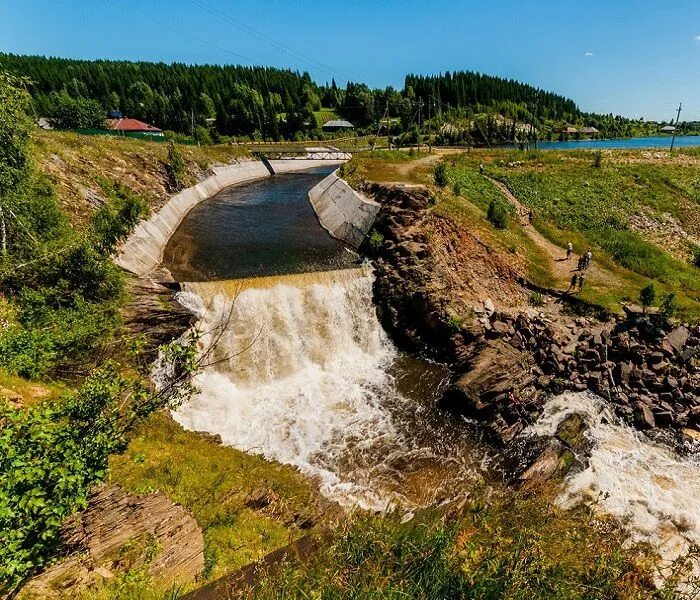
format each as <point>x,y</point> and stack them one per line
<point>210,101</point>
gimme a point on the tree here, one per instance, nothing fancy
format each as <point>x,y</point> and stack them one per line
<point>75,113</point>
<point>497,215</point>
<point>15,127</point>
<point>647,295</point>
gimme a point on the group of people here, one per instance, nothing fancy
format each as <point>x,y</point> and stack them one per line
<point>578,279</point>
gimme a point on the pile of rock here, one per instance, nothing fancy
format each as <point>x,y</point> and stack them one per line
<point>649,369</point>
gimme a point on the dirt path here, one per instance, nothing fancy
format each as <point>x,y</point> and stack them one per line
<point>561,268</point>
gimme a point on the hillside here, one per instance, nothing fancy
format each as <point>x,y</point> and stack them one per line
<point>210,101</point>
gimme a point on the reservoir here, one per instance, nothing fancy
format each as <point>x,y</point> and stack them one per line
<point>641,143</point>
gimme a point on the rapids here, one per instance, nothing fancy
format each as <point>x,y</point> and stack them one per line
<point>301,371</point>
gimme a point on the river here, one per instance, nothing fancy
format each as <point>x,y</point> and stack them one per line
<point>301,372</point>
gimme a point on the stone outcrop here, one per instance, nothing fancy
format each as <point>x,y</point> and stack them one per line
<point>345,213</point>
<point>119,532</point>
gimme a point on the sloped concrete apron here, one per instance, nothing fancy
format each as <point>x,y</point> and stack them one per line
<point>344,212</point>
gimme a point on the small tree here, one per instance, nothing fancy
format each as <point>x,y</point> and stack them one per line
<point>598,159</point>
<point>647,295</point>
<point>175,166</point>
<point>441,175</point>
<point>497,215</point>
<point>669,306</point>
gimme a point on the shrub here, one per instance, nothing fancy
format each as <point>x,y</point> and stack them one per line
<point>375,239</point>
<point>441,175</point>
<point>497,214</point>
<point>696,256</point>
<point>647,295</point>
<point>669,306</point>
<point>175,167</point>
<point>598,160</point>
<point>536,299</point>
<point>457,188</point>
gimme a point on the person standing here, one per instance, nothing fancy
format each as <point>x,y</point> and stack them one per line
<point>569,250</point>
<point>581,261</point>
<point>581,281</point>
<point>572,285</point>
<point>589,258</point>
<point>481,169</point>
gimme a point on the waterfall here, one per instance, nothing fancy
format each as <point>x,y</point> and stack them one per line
<point>301,372</point>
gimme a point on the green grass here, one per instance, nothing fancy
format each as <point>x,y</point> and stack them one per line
<point>215,483</point>
<point>512,548</point>
<point>590,207</point>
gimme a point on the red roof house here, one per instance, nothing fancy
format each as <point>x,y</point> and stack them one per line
<point>133,126</point>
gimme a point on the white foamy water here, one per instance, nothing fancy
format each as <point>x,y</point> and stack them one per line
<point>647,485</point>
<point>300,375</point>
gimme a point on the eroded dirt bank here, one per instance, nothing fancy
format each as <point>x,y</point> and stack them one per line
<point>444,292</point>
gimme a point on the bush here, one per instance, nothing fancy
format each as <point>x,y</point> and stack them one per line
<point>598,160</point>
<point>375,239</point>
<point>696,256</point>
<point>647,295</point>
<point>536,299</point>
<point>497,214</point>
<point>669,306</point>
<point>441,175</point>
<point>176,167</point>
<point>457,189</point>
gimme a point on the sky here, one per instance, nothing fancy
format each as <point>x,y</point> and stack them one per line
<point>635,58</point>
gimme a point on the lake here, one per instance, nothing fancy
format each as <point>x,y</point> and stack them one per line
<point>661,142</point>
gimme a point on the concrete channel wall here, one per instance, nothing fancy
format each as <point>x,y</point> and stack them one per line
<point>344,212</point>
<point>143,251</point>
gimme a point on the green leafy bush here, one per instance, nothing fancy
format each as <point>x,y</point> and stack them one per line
<point>51,453</point>
<point>647,295</point>
<point>497,214</point>
<point>440,175</point>
<point>175,167</point>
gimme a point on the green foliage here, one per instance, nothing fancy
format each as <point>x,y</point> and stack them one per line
<point>497,214</point>
<point>598,159</point>
<point>536,299</point>
<point>497,549</point>
<point>647,295</point>
<point>176,167</point>
<point>14,132</point>
<point>112,222</point>
<point>52,452</point>
<point>669,306</point>
<point>67,112</point>
<point>457,188</point>
<point>696,257</point>
<point>441,175</point>
<point>375,239</point>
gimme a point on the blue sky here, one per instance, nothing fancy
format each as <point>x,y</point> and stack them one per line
<point>637,58</point>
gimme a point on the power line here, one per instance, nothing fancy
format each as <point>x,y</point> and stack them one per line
<point>269,40</point>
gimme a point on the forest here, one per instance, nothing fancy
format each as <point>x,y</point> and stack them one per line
<point>211,102</point>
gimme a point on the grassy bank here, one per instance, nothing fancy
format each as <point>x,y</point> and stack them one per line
<point>247,506</point>
<point>509,547</point>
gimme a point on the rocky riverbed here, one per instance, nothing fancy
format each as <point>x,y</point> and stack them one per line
<point>507,361</point>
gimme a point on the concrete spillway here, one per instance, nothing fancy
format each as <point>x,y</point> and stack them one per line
<point>344,212</point>
<point>143,251</point>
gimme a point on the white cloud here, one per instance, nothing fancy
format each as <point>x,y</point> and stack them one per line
<point>588,54</point>
<point>696,38</point>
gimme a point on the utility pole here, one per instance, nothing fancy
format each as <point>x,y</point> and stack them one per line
<point>678,118</point>
<point>388,125</point>
<point>420,116</point>
<point>430,129</point>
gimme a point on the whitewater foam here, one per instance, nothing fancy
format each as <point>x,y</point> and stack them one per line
<point>300,373</point>
<point>647,485</point>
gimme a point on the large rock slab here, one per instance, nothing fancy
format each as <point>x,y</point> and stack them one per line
<point>120,531</point>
